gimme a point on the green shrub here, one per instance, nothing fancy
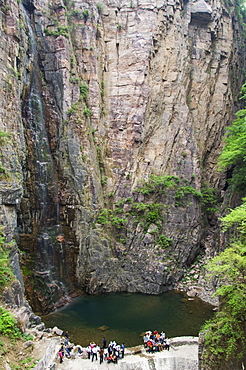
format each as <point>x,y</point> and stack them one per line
<point>139,207</point>
<point>128,200</point>
<point>61,30</point>
<point>87,112</point>
<point>8,324</point>
<point>5,137</point>
<point>26,336</point>
<point>117,221</point>
<point>183,190</point>
<point>85,14</point>
<point>151,209</point>
<point>104,180</point>
<point>107,216</point>
<point>73,109</point>
<point>233,153</point>
<point>158,184</point>
<point>74,80</point>
<point>225,334</point>
<point>75,13</point>
<point>84,91</point>
<point>2,169</point>
<point>164,241</point>
<point>210,199</point>
<point>104,216</point>
<point>6,271</point>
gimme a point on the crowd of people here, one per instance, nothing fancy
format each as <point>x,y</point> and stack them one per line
<point>112,352</point>
<point>109,353</point>
<point>155,341</point>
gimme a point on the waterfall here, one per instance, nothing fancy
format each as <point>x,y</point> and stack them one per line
<point>41,187</point>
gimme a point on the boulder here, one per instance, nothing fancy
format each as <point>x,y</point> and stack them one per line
<point>57,331</point>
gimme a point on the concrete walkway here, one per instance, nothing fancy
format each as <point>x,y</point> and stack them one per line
<point>183,355</point>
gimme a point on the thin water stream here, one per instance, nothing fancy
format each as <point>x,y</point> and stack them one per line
<point>44,255</point>
<point>123,317</point>
<point>45,214</point>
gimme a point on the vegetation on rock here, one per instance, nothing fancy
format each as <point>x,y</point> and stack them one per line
<point>157,184</point>
<point>60,31</point>
<point>234,153</point>
<point>11,337</point>
<point>8,324</point>
<point>6,271</point>
<point>158,193</point>
<point>225,334</point>
<point>84,91</point>
<point>14,354</point>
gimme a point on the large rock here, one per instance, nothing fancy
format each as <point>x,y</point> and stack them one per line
<point>201,11</point>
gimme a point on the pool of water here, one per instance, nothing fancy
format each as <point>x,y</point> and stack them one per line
<point>123,317</point>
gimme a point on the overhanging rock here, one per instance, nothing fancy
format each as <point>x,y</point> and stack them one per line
<point>200,11</point>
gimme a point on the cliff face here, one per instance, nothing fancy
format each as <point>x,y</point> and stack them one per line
<point>100,96</point>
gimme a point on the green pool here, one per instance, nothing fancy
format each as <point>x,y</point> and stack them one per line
<point>124,317</point>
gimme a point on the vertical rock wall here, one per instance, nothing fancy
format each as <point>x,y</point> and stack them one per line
<point>128,89</point>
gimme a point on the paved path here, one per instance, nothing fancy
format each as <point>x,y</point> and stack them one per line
<point>183,356</point>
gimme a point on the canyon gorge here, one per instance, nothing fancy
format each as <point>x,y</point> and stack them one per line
<point>112,117</point>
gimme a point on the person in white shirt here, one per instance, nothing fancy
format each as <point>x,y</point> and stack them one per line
<point>94,351</point>
<point>167,343</point>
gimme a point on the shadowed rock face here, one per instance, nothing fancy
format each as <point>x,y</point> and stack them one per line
<point>29,5</point>
<point>101,96</point>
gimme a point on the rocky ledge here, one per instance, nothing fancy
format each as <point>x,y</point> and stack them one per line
<point>183,354</point>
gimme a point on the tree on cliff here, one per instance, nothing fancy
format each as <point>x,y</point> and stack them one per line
<point>233,155</point>
<point>225,334</point>
<point>11,334</point>
<point>6,270</point>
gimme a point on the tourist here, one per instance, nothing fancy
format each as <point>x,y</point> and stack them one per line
<point>153,341</point>
<point>110,348</point>
<point>122,350</point>
<point>61,354</point>
<point>101,354</point>
<point>163,334</point>
<point>117,350</point>
<point>106,354</point>
<point>66,335</point>
<point>88,350</point>
<point>162,337</point>
<point>167,343</point>
<point>68,350</point>
<point>60,357</point>
<point>112,358</point>
<point>94,351</point>
<point>149,345</point>
<point>145,339</point>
